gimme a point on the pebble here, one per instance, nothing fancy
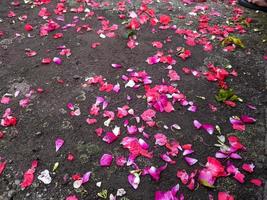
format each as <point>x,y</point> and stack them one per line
<point>38,133</point>
<point>11,193</point>
<point>76,77</point>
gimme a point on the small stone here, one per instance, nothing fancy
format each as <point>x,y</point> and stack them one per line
<point>121,192</point>
<point>11,193</point>
<point>76,77</point>
<point>38,133</point>
<point>17,182</point>
<point>98,184</point>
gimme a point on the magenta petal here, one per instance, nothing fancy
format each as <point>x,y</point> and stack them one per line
<point>106,160</point>
<point>116,66</point>
<point>110,137</point>
<point>121,161</point>
<point>197,124</point>
<point>143,143</point>
<point>247,119</point>
<point>190,161</point>
<point>86,177</point>
<point>169,195</point>
<point>59,143</point>
<point>57,60</point>
<point>209,128</point>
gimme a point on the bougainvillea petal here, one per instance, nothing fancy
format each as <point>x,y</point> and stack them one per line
<point>257,182</point>
<point>2,167</point>
<point>59,143</point>
<point>134,180</point>
<point>190,161</point>
<point>106,160</point>
<point>225,196</point>
<point>86,177</point>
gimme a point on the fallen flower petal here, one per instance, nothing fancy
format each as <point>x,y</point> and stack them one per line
<point>225,196</point>
<point>59,143</point>
<point>2,167</point>
<point>190,161</point>
<point>106,160</point>
<point>134,180</point>
<point>256,182</point>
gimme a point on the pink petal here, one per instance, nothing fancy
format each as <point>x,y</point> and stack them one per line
<point>134,180</point>
<point>256,182</point>
<point>206,178</point>
<point>110,137</point>
<point>86,177</point>
<point>239,177</point>
<point>184,177</point>
<point>57,60</point>
<point>121,161</point>
<point>116,88</point>
<point>239,127</point>
<point>192,108</point>
<point>143,143</point>
<point>167,159</point>
<point>235,156</point>
<point>2,167</point>
<point>59,143</point>
<point>148,115</point>
<point>24,102</point>
<point>197,124</point>
<point>168,195</point>
<point>72,197</point>
<point>248,167</point>
<point>220,155</point>
<point>153,60</point>
<point>187,152</point>
<point>235,120</point>
<point>225,196</point>
<point>5,100</point>
<point>116,66</point>
<point>190,161</point>
<point>161,139</point>
<point>106,160</point>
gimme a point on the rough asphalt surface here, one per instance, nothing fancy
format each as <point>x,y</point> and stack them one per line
<point>46,117</point>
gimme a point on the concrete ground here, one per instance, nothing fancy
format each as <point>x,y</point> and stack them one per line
<point>53,100</point>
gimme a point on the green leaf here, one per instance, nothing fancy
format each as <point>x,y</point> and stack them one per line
<point>224,95</point>
<point>129,34</point>
<point>103,194</point>
<point>232,40</point>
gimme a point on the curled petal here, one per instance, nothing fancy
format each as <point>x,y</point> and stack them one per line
<point>134,180</point>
